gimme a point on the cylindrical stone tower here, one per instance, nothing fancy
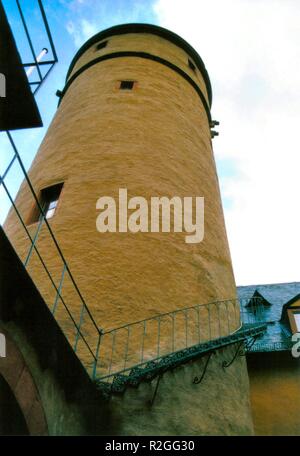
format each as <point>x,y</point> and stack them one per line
<point>135,115</point>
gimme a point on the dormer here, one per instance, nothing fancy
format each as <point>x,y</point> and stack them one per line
<point>257,304</point>
<point>290,315</point>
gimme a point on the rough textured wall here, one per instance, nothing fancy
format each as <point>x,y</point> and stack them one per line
<point>144,42</point>
<point>153,140</point>
<point>219,405</point>
<point>274,393</point>
<point>62,416</point>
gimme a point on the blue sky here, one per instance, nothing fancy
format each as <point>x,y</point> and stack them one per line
<point>251,51</point>
<point>71,22</point>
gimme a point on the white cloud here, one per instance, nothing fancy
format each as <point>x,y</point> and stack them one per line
<point>87,17</point>
<point>81,31</point>
<point>251,51</point>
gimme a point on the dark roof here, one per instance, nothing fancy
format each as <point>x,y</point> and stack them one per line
<point>279,296</point>
<point>154,30</point>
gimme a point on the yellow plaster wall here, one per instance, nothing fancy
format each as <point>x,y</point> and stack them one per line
<point>144,42</point>
<point>154,141</point>
<point>274,393</point>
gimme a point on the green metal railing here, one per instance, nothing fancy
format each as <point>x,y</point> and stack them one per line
<point>271,347</point>
<point>133,345</point>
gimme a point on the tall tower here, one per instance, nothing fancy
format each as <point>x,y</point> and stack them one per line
<point>135,115</point>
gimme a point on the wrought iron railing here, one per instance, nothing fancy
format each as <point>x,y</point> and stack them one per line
<point>271,347</point>
<point>124,348</point>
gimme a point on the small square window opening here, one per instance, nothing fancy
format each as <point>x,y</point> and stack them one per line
<point>126,85</point>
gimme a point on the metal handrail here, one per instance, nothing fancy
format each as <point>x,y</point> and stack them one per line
<point>124,348</point>
<point>256,301</point>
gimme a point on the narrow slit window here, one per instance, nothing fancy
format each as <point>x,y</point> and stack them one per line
<point>48,201</point>
<point>192,66</point>
<point>101,45</point>
<point>127,85</point>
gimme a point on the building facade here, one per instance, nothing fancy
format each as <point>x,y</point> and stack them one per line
<point>274,360</point>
